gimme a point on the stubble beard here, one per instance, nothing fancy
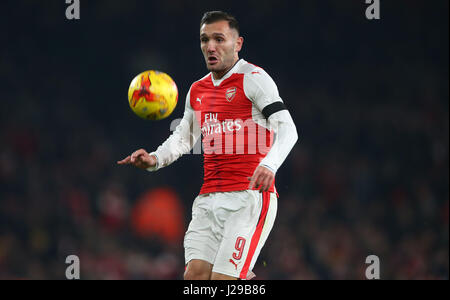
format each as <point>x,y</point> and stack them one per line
<point>221,68</point>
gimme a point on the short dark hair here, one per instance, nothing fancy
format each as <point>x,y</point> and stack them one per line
<point>217,15</point>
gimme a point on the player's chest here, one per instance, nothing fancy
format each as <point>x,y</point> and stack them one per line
<point>218,104</point>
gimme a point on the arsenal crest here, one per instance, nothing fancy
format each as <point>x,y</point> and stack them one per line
<point>230,93</point>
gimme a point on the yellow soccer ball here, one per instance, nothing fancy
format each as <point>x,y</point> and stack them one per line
<point>153,95</point>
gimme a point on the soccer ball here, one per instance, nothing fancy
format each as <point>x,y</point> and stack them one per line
<point>153,95</point>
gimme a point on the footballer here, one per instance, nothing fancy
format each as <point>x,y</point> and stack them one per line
<point>247,133</point>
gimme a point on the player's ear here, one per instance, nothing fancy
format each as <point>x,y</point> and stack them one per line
<point>239,43</point>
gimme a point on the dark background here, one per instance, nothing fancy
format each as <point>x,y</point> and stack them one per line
<point>369,174</point>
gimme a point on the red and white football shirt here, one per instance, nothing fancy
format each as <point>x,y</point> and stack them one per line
<point>228,114</point>
<point>231,134</point>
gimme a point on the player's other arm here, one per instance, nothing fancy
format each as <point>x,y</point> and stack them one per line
<point>178,144</point>
<point>285,137</point>
<point>263,91</point>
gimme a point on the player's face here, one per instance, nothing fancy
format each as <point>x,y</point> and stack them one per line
<point>220,46</point>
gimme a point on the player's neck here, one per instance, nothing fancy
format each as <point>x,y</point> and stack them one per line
<point>221,74</point>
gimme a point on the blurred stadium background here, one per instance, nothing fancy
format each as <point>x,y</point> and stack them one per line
<point>369,174</point>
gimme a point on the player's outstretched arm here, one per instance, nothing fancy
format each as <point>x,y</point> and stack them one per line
<point>179,143</point>
<point>140,159</point>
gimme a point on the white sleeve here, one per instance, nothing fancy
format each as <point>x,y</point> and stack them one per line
<point>285,137</point>
<point>181,141</point>
<point>262,91</point>
<point>260,88</point>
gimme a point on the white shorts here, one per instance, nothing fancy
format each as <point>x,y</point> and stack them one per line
<point>228,229</point>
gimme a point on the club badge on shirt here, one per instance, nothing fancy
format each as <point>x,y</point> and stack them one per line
<point>230,93</point>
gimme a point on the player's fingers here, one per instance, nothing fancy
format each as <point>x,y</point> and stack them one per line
<point>133,157</point>
<point>252,182</point>
<point>124,161</point>
<point>266,182</point>
<point>259,180</point>
<point>137,154</point>
<point>261,189</point>
<point>263,184</point>
<point>271,180</point>
<point>138,160</point>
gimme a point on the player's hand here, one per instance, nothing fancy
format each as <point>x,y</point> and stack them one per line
<point>140,159</point>
<point>262,178</point>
